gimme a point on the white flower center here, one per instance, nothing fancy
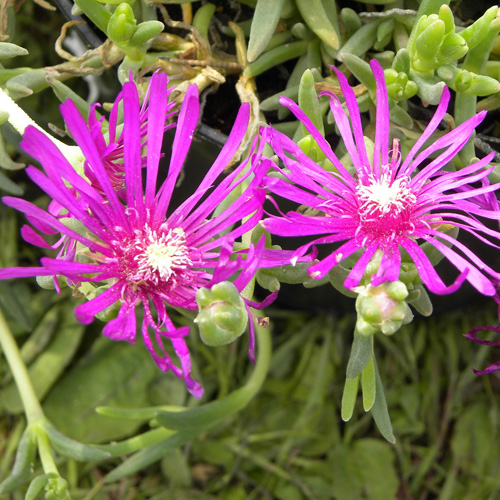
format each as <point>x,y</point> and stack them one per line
<point>382,197</point>
<point>162,256</point>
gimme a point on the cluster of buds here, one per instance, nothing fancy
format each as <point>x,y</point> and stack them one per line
<point>382,308</point>
<point>123,28</point>
<point>436,42</point>
<point>399,85</point>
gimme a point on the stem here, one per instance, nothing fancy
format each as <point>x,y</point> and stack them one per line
<point>31,405</point>
<point>259,373</point>
<point>20,120</point>
<point>46,457</point>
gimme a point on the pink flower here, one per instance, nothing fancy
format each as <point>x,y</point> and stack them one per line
<point>385,206</point>
<point>130,243</point>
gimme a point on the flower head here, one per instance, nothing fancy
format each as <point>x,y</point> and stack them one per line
<point>130,245</point>
<point>385,206</point>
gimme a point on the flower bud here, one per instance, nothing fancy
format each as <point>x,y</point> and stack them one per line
<point>56,487</point>
<point>399,86</point>
<point>222,315</point>
<point>382,308</point>
<point>121,25</point>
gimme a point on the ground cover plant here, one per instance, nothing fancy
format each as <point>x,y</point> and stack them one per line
<point>306,309</point>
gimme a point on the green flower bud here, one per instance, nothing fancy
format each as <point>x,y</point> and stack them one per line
<point>399,86</point>
<point>368,308</point>
<point>56,488</point>
<point>391,328</point>
<point>397,290</point>
<point>382,308</point>
<point>391,76</point>
<point>121,25</point>
<point>46,282</point>
<point>311,148</point>
<point>222,315</point>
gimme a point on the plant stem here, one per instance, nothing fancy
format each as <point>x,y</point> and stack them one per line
<point>32,407</point>
<point>44,452</point>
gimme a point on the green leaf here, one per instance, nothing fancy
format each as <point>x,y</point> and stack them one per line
<point>72,449</point>
<point>361,353</point>
<point>368,383</point>
<point>265,19</point>
<point>361,41</point>
<point>36,486</point>
<point>146,31</point>
<point>316,17</point>
<point>429,88</point>
<point>309,103</point>
<point>349,398</point>
<point>6,184</point>
<point>149,455</point>
<point>63,92</point>
<point>475,33</point>
<point>114,374</point>
<point>11,303</point>
<point>26,83</point>
<point>473,435</point>
<point>203,417</point>
<point>364,469</point>
<point>276,56</point>
<point>47,368</point>
<point>142,414</point>
<point>401,62</point>
<point>350,20</point>
<point>422,303</point>
<point>96,12</point>
<point>202,18</point>
<point>379,409</point>
<point>23,462</point>
<point>361,70</point>
<point>8,50</point>
<point>401,117</point>
<point>41,336</point>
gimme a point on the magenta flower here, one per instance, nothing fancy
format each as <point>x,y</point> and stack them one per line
<point>385,205</point>
<point>110,144</point>
<point>138,250</point>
